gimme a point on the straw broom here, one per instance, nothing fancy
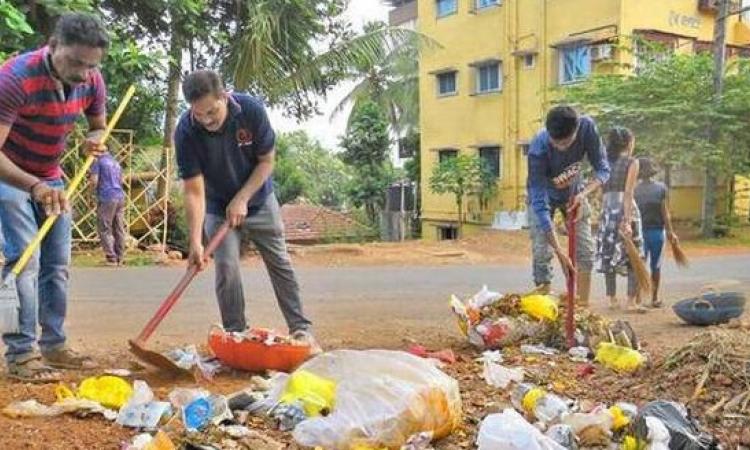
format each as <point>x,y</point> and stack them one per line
<point>679,255</point>
<point>642,277</point>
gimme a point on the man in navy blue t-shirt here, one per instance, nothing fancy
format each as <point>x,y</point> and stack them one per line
<point>225,156</point>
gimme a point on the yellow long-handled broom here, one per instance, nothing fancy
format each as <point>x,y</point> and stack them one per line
<point>642,277</point>
<point>679,256</point>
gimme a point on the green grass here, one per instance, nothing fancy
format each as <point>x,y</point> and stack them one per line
<point>737,237</point>
<point>95,258</point>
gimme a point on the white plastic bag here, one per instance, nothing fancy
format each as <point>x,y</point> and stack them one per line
<point>510,431</point>
<point>382,399</point>
<point>499,376</point>
<point>483,298</point>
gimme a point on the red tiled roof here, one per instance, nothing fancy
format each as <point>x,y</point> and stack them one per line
<point>305,223</point>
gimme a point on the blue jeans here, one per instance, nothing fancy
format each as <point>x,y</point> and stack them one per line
<point>653,239</point>
<point>43,284</point>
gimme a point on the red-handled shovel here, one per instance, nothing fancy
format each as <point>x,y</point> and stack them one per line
<point>138,345</point>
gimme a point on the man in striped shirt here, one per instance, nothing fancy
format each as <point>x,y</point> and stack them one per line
<point>42,94</point>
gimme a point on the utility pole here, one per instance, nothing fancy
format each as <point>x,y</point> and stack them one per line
<point>719,49</point>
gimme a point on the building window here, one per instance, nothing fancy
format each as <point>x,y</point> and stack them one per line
<point>575,63</point>
<point>447,154</point>
<point>446,7</point>
<point>529,61</point>
<point>447,233</point>
<point>491,160</point>
<point>488,78</point>
<point>446,83</point>
<point>487,3</point>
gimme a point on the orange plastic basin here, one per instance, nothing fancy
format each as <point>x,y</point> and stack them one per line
<point>256,356</point>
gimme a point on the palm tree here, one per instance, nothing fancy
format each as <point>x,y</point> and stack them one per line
<point>275,53</point>
<point>391,82</point>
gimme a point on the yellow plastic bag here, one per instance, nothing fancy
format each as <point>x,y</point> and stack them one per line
<point>619,419</point>
<point>531,398</point>
<point>619,358</point>
<point>540,307</point>
<point>631,443</point>
<point>315,393</point>
<point>109,391</point>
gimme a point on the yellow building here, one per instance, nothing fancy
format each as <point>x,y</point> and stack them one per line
<point>485,91</point>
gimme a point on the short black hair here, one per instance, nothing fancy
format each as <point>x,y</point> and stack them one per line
<point>200,83</point>
<point>80,29</point>
<point>561,121</point>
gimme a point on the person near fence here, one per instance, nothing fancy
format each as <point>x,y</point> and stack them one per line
<point>224,146</point>
<point>105,179</point>
<point>619,215</point>
<point>555,182</point>
<point>42,94</point>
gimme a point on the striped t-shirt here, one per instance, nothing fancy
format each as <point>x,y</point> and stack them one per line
<point>41,112</point>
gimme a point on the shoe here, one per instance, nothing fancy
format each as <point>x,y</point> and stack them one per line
<point>306,337</point>
<point>66,358</point>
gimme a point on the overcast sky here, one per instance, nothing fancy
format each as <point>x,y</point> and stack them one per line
<point>322,127</point>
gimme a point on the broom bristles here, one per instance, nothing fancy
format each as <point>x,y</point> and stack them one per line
<point>642,277</point>
<point>679,255</point>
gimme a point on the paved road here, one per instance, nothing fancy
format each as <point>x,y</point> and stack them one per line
<point>351,306</point>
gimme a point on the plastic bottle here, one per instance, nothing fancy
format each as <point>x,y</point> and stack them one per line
<point>543,405</point>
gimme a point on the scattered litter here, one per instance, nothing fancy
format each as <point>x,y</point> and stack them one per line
<point>579,354</point>
<point>563,435</point>
<point>288,416</point>
<point>142,411</point>
<point>146,442</point>
<point>190,360</point>
<point>499,376</point>
<point>244,400</point>
<point>107,390</point>
<point>684,431</point>
<point>76,406</point>
<point>510,431</point>
<point>197,414</point>
<point>585,370</point>
<point>30,408</point>
<point>260,384</point>
<point>236,431</point>
<point>316,395</point>
<point>538,350</point>
<point>619,358</point>
<point>419,441</point>
<point>540,307</point>
<point>446,355</point>
<point>124,373</point>
<point>600,418</point>
<point>539,404</point>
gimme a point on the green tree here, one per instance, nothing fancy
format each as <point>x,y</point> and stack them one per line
<point>667,105</point>
<point>460,176</point>
<point>288,179</point>
<point>323,173</point>
<point>14,31</point>
<point>366,145</point>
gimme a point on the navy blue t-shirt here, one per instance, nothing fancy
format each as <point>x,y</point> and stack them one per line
<point>227,157</point>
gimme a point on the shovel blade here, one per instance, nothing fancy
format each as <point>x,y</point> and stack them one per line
<point>154,359</point>
<point>10,305</point>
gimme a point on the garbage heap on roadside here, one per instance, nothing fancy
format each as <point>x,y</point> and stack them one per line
<point>341,400</point>
<point>491,320</point>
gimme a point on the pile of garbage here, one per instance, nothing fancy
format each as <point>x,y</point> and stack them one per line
<point>340,400</point>
<point>491,320</point>
<point>560,425</point>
